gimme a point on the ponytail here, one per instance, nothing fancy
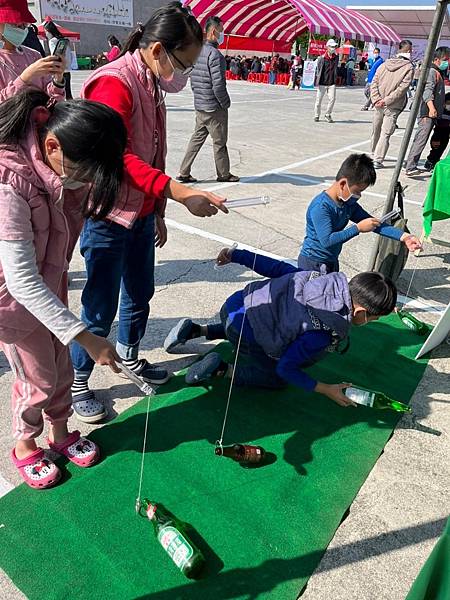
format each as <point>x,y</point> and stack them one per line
<point>173,25</point>
<point>15,114</point>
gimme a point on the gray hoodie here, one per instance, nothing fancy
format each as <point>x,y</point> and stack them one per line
<point>392,81</point>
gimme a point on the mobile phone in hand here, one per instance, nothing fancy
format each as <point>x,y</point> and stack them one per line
<point>61,46</point>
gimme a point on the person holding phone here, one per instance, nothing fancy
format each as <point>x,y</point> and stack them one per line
<point>22,67</point>
<point>59,46</point>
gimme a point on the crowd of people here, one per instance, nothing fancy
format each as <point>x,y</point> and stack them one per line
<point>94,169</point>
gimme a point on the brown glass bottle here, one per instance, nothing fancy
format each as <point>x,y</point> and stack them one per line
<point>242,453</point>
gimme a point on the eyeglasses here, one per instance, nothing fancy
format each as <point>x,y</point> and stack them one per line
<point>186,70</point>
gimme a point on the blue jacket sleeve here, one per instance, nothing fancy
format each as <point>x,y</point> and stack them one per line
<point>265,266</point>
<point>359,214</point>
<point>302,352</point>
<point>321,220</point>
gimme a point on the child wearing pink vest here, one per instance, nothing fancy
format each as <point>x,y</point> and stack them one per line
<point>156,59</point>
<point>45,149</point>
<point>20,67</point>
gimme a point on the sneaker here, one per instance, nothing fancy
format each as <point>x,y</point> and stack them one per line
<point>316,119</point>
<point>179,334</point>
<point>377,164</point>
<point>204,369</point>
<point>329,118</point>
<point>79,450</point>
<point>38,471</point>
<point>186,179</point>
<point>364,108</point>
<point>229,178</point>
<point>148,372</point>
<point>428,166</point>
<point>412,172</point>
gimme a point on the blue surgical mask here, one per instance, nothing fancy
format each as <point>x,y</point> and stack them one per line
<point>14,35</point>
<point>444,65</point>
<point>221,38</point>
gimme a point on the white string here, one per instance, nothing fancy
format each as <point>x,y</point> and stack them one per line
<point>144,447</point>
<point>410,283</point>
<point>219,442</point>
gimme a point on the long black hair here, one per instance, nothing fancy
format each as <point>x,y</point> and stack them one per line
<point>52,29</point>
<point>92,137</point>
<point>172,25</point>
<point>114,41</point>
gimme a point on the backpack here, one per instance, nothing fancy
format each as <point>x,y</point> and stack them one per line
<point>392,255</point>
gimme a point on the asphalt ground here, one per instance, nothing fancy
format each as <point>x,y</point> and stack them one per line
<point>280,152</point>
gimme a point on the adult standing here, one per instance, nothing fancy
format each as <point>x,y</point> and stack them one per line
<point>388,93</point>
<point>326,76</point>
<point>119,251</point>
<point>431,108</point>
<point>377,62</point>
<point>350,68</point>
<point>211,101</point>
<point>53,36</point>
<point>273,69</point>
<point>21,67</point>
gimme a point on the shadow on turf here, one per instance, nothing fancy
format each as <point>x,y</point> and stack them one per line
<point>256,582</point>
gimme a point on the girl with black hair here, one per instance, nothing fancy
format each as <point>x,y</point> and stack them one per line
<point>119,251</point>
<point>59,162</point>
<point>114,48</point>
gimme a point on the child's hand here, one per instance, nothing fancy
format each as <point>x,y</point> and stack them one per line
<point>411,242</point>
<point>224,257</point>
<point>99,349</point>
<point>334,392</point>
<point>367,225</point>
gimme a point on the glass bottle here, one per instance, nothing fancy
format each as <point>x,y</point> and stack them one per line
<point>412,322</point>
<point>242,453</point>
<point>376,400</point>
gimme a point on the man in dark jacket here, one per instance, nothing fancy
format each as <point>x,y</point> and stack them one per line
<point>326,75</point>
<point>431,109</point>
<point>211,102</point>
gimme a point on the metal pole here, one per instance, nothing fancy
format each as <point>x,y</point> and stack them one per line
<point>439,15</point>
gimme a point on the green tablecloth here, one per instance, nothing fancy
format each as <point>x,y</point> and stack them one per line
<point>437,202</point>
<point>433,582</point>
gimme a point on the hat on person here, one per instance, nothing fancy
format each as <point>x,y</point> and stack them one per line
<point>15,11</point>
<point>331,43</point>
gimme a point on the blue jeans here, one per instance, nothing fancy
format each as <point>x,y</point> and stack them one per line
<point>258,370</point>
<point>349,76</point>
<point>118,261</point>
<point>306,263</point>
<point>272,77</point>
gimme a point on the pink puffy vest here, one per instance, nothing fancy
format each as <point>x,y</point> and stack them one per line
<point>56,222</point>
<point>148,125</point>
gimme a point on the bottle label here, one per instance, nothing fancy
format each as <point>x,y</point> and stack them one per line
<point>362,397</point>
<point>176,545</point>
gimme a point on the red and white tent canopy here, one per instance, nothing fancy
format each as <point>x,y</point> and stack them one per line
<point>284,20</point>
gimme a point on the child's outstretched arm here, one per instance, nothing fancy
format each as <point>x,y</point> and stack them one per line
<point>303,351</point>
<point>411,241</point>
<point>263,265</point>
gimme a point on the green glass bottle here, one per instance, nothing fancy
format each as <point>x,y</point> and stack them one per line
<point>412,323</point>
<point>376,400</point>
<point>171,534</point>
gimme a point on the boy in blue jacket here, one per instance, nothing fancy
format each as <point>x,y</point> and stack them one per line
<point>286,322</point>
<point>330,212</point>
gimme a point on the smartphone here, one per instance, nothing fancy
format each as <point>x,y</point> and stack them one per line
<point>61,46</point>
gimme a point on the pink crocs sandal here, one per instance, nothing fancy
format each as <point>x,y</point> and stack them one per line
<point>37,470</point>
<point>79,450</point>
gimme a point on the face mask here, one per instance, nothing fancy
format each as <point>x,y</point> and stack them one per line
<point>447,107</point>
<point>221,38</point>
<point>444,65</point>
<point>332,50</point>
<point>14,35</point>
<point>376,56</point>
<point>355,196</point>
<point>405,54</point>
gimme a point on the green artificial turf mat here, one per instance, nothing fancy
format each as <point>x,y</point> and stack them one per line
<point>263,530</point>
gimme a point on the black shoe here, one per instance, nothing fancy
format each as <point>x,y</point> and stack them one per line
<point>229,178</point>
<point>187,179</point>
<point>428,166</point>
<point>149,373</point>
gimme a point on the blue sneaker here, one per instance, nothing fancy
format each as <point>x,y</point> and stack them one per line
<point>179,334</point>
<point>149,373</point>
<point>204,369</point>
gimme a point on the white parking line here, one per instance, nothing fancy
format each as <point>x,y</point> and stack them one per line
<point>409,302</point>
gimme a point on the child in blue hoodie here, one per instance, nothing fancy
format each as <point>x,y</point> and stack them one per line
<point>331,211</point>
<point>291,319</point>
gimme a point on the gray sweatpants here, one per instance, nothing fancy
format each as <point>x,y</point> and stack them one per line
<point>214,124</point>
<point>424,128</point>
<point>383,126</point>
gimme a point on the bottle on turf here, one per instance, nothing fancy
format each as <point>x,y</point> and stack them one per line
<point>376,400</point>
<point>412,322</point>
<point>171,534</point>
<point>242,453</point>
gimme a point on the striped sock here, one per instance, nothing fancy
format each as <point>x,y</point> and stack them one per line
<point>134,364</point>
<point>79,386</point>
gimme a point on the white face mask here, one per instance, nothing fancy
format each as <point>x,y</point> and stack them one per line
<point>355,196</point>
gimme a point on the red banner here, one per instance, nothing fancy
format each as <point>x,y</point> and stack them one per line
<point>317,47</point>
